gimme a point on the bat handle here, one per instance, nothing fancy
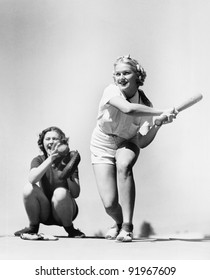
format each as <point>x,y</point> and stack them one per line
<point>160,120</point>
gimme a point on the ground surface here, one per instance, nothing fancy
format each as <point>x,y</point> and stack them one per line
<point>91,248</point>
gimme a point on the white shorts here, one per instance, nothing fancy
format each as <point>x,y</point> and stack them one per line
<point>103,147</point>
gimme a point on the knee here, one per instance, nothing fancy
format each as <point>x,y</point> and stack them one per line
<point>29,190</point>
<point>59,195</point>
<point>111,206</point>
<point>124,168</point>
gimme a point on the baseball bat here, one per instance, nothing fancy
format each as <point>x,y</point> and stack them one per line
<point>184,105</point>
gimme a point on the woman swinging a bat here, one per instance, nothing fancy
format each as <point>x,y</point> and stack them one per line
<point>124,126</point>
<point>49,197</point>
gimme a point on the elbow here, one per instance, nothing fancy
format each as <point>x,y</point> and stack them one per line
<point>33,176</point>
<point>142,146</point>
<point>142,143</point>
<point>74,190</point>
<point>32,180</point>
<point>76,194</point>
<point>127,110</point>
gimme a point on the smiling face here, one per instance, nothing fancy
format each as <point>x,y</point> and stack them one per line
<point>126,79</point>
<point>50,139</point>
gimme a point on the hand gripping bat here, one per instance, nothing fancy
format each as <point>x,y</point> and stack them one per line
<point>184,105</point>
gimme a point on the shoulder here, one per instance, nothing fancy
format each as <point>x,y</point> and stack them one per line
<point>36,161</point>
<point>109,92</point>
<point>112,89</point>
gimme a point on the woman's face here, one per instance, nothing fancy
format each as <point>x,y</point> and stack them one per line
<point>126,79</point>
<point>50,139</point>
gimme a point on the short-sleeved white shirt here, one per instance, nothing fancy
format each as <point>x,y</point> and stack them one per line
<point>112,121</point>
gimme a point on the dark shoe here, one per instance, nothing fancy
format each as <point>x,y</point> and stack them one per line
<point>75,233</point>
<point>26,230</point>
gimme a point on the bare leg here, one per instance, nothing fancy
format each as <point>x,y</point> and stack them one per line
<point>37,208</point>
<point>63,207</point>
<point>126,157</point>
<point>36,204</point>
<point>105,175</point>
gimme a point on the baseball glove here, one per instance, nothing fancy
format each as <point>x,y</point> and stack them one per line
<point>71,165</point>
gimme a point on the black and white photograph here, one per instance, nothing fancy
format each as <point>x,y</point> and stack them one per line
<point>105,137</point>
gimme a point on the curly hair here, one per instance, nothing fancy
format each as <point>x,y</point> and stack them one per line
<point>136,67</point>
<point>62,137</point>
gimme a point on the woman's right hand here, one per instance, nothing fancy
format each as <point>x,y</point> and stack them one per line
<point>166,117</point>
<point>54,151</point>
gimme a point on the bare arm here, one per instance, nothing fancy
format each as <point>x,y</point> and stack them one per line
<point>136,109</point>
<point>145,140</point>
<point>36,173</point>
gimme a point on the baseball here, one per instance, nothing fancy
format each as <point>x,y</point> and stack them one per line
<point>63,149</point>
